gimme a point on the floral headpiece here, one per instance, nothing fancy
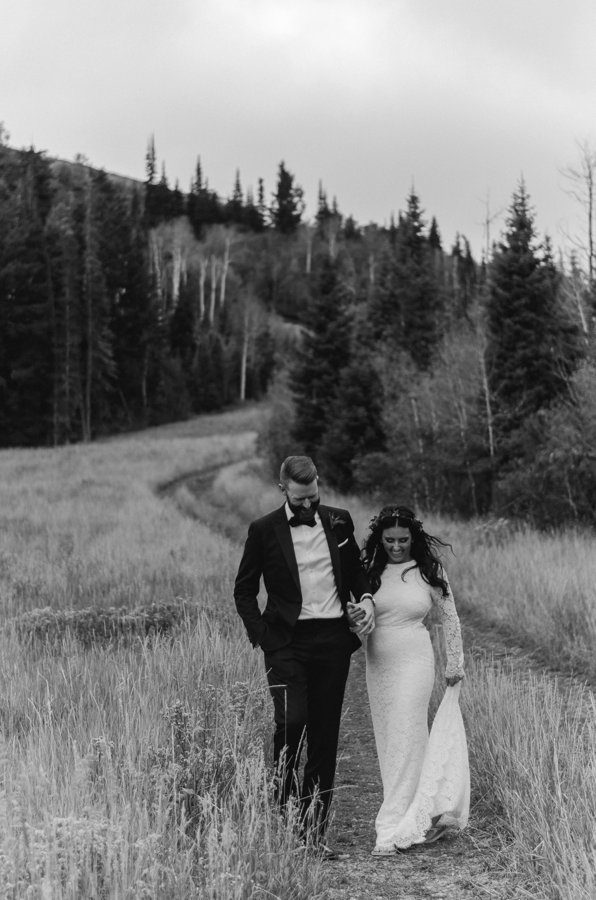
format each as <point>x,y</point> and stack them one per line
<point>396,512</point>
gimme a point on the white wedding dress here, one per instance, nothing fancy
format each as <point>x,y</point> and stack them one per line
<point>423,777</point>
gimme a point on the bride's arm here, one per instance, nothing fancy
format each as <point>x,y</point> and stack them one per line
<point>454,670</point>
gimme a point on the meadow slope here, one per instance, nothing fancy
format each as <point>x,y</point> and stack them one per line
<point>136,724</point>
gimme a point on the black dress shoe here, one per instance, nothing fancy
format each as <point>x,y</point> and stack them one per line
<point>325,852</point>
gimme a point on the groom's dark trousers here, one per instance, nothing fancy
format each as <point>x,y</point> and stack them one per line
<point>307,660</point>
<point>307,679</point>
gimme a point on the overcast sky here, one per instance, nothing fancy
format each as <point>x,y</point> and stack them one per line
<point>459,98</point>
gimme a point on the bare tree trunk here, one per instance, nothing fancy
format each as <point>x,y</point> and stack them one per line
<point>583,181</point>
<point>244,355</point>
<point>331,229</point>
<point>578,299</point>
<point>308,253</point>
<point>420,451</point>
<point>487,406</point>
<point>434,422</point>
<point>213,262</point>
<point>462,421</point>
<point>202,277</point>
<point>224,272</point>
<point>176,275</point>
<point>488,220</point>
<point>157,267</point>
<point>333,246</point>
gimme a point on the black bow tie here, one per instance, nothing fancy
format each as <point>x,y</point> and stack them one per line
<point>294,522</point>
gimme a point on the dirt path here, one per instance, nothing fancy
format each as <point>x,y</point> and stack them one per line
<point>460,868</point>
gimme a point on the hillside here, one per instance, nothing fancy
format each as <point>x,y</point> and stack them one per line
<point>123,308</point>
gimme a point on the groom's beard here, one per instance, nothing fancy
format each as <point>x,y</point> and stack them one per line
<point>302,514</point>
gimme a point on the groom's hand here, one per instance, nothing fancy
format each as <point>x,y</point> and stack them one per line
<point>361,615</point>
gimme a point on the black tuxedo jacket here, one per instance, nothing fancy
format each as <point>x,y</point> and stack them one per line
<point>269,554</point>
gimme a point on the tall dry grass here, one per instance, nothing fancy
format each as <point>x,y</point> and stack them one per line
<point>141,772</point>
<point>531,736</point>
<point>136,768</point>
<point>82,525</point>
<point>532,757</point>
<point>537,588</point>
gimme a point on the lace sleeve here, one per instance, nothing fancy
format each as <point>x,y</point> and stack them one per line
<point>451,631</point>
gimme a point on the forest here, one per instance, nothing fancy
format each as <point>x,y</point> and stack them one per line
<point>405,368</point>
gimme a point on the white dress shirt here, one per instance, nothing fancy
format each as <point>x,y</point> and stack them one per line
<point>320,599</point>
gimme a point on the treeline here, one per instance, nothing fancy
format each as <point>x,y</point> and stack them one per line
<point>405,368</point>
<point>425,377</point>
<point>122,304</point>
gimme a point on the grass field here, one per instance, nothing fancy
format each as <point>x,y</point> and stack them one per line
<point>133,758</point>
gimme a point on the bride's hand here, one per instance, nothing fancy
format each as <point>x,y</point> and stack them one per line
<point>361,623</point>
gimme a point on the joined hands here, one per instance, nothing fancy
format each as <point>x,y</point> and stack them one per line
<point>361,616</point>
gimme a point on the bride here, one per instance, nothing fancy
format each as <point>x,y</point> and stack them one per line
<point>426,783</point>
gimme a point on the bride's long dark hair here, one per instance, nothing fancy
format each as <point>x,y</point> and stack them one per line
<point>425,547</point>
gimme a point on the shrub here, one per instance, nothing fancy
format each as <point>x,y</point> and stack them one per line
<point>96,625</point>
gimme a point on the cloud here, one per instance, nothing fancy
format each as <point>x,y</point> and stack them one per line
<point>459,96</point>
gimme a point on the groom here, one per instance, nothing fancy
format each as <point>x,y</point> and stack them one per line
<point>309,561</point>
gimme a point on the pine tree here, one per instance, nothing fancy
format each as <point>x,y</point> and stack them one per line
<point>96,358</point>
<point>354,424</point>
<point>134,322</point>
<point>203,206</point>
<point>177,205</point>
<point>198,182</point>
<point>64,237</point>
<point>324,352</point>
<point>323,211</point>
<point>208,389</point>
<point>406,306</point>
<point>237,211</point>
<point>288,203</point>
<point>261,205</point>
<point>462,277</point>
<point>252,216</point>
<point>237,199</point>
<point>161,203</point>
<point>26,365</point>
<point>531,343</point>
<point>150,161</point>
<point>434,237</point>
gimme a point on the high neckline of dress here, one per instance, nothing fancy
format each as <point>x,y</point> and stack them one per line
<point>401,565</point>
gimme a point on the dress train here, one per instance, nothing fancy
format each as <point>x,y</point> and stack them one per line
<point>444,784</point>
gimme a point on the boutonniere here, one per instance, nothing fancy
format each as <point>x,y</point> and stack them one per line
<point>334,520</point>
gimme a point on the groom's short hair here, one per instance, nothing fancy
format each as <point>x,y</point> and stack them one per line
<point>300,469</point>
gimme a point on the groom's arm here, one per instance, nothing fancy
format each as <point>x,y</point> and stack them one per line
<point>247,584</point>
<point>362,615</point>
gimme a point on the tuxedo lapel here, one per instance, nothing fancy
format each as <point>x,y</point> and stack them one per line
<point>281,528</point>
